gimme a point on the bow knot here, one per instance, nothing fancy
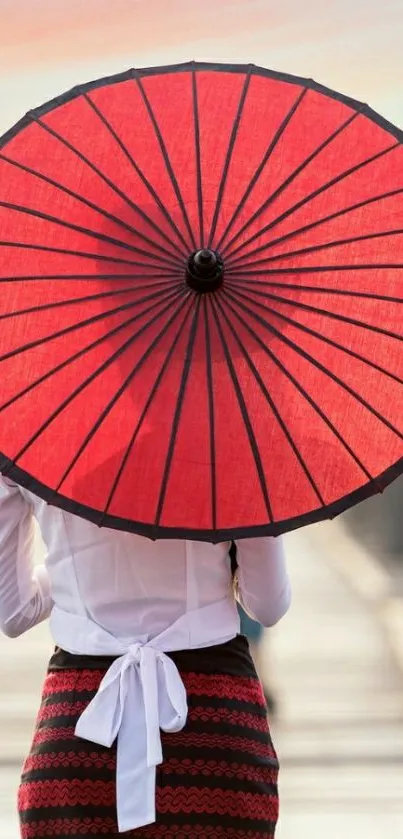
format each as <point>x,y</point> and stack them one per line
<point>141,693</point>
<point>134,653</point>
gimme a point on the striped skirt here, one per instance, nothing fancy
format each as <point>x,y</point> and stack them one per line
<point>218,779</point>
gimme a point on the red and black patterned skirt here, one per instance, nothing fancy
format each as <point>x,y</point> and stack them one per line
<point>218,779</point>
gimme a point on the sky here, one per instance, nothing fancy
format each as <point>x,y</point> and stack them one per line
<point>47,46</point>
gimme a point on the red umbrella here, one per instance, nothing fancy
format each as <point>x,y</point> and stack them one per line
<point>201,274</point>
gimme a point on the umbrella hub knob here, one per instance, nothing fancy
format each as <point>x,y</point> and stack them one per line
<point>205,270</point>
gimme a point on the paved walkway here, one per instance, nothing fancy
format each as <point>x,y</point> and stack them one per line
<point>340,732</point>
<point>22,666</point>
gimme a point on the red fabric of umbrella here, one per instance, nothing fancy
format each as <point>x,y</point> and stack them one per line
<point>201,288</point>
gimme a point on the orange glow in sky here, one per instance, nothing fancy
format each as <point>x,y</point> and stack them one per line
<point>47,46</point>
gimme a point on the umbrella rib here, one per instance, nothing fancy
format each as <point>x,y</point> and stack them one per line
<point>313,224</point>
<point>80,324</point>
<point>199,176</point>
<point>316,248</point>
<point>289,180</point>
<point>295,382</point>
<point>211,413</point>
<point>112,402</point>
<point>88,381</point>
<point>92,206</point>
<point>44,307</point>
<point>133,206</point>
<point>228,158</point>
<point>244,414</point>
<point>97,256</point>
<point>308,357</point>
<point>145,410</point>
<point>92,345</point>
<point>39,277</point>
<point>136,167</point>
<point>272,405</point>
<point>178,410</point>
<point>315,269</point>
<point>315,334</point>
<point>269,151</point>
<point>310,197</point>
<point>306,307</point>
<point>165,155</point>
<point>93,234</point>
<point>366,295</point>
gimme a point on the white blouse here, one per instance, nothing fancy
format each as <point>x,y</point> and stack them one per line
<point>113,593</point>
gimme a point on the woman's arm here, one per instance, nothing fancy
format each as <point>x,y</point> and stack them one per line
<point>264,588</point>
<point>25,598</point>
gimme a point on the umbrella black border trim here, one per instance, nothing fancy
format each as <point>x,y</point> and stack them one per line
<point>202,66</point>
<point>276,528</point>
<point>148,530</point>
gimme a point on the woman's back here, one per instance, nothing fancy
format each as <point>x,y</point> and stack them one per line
<point>152,713</point>
<point>129,585</point>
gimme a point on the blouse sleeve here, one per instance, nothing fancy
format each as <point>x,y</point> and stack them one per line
<point>264,588</point>
<point>25,598</point>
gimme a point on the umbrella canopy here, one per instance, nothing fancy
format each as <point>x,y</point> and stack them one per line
<point>201,288</point>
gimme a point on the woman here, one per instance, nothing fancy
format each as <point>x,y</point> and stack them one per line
<point>254,632</point>
<point>147,639</point>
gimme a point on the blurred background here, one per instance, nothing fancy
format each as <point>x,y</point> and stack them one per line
<point>335,664</point>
